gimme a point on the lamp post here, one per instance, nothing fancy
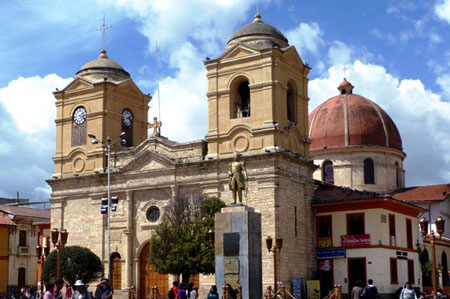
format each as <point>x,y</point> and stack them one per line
<point>42,255</point>
<point>439,222</point>
<point>108,151</point>
<point>59,243</point>
<point>274,249</point>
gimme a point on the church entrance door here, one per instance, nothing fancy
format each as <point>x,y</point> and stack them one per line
<point>149,277</point>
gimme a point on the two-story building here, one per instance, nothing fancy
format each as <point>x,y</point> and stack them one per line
<point>436,199</point>
<point>362,235</point>
<point>23,232</point>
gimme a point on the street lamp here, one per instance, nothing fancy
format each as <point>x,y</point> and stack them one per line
<point>59,244</point>
<point>277,247</point>
<point>439,222</point>
<point>123,142</point>
<point>41,258</point>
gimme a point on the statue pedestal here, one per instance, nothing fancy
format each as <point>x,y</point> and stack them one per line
<point>238,250</point>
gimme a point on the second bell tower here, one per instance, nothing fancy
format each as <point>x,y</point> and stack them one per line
<point>257,95</point>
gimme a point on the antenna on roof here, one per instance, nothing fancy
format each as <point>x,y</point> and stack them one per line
<point>257,7</point>
<point>159,92</point>
<point>103,29</point>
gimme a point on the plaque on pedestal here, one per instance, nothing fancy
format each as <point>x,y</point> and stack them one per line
<point>238,250</point>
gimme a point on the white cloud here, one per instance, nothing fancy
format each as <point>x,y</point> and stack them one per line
<point>31,103</point>
<point>306,37</point>
<point>444,82</point>
<point>184,106</point>
<point>442,10</point>
<point>423,117</point>
<point>339,53</point>
<point>185,35</point>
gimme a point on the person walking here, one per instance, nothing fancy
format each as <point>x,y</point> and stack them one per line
<point>80,291</point>
<point>104,290</point>
<point>182,291</point>
<point>59,284</point>
<point>173,291</point>
<point>370,291</point>
<point>49,287</point>
<point>212,293</point>
<point>357,290</point>
<point>194,293</point>
<point>408,292</point>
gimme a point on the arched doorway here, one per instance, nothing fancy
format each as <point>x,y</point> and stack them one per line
<point>116,271</point>
<point>149,277</point>
<point>21,277</point>
<point>445,274</point>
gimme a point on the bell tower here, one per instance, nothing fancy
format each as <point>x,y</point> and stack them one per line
<point>257,95</point>
<point>102,100</point>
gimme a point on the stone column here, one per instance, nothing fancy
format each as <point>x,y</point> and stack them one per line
<point>238,250</point>
<point>129,248</point>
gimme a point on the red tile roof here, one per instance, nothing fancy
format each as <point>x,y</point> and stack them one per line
<point>423,193</point>
<point>25,212</point>
<point>5,220</point>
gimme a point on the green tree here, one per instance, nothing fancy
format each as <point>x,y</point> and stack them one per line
<point>181,244</point>
<point>76,263</point>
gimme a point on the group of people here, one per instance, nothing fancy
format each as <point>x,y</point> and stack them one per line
<point>27,292</point>
<point>54,290</point>
<point>183,291</point>
<point>370,291</point>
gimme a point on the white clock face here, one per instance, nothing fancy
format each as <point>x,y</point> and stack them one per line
<point>79,116</point>
<point>127,118</point>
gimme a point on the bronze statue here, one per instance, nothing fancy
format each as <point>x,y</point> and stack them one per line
<point>238,178</point>
<point>156,125</point>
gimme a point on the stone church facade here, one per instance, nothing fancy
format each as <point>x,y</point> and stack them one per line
<point>257,107</point>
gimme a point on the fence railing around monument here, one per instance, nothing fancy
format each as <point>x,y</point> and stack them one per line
<point>269,293</point>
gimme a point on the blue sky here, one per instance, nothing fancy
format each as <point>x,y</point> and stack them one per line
<point>398,53</point>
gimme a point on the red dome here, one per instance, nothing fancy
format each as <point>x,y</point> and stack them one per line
<point>349,119</point>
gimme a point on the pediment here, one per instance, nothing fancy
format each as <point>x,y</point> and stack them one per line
<point>130,87</point>
<point>78,84</point>
<point>238,51</point>
<point>292,55</point>
<point>148,161</point>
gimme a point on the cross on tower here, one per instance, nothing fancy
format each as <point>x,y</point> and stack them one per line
<point>103,29</point>
<point>345,68</point>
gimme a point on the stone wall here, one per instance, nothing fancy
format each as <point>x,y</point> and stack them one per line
<point>278,185</point>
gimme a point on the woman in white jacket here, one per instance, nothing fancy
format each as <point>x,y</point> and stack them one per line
<point>408,292</point>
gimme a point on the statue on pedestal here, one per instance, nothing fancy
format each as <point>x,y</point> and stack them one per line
<point>238,178</point>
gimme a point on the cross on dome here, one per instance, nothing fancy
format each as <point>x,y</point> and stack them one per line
<point>103,29</point>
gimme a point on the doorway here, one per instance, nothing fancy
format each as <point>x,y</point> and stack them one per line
<point>21,275</point>
<point>149,277</point>
<point>356,269</point>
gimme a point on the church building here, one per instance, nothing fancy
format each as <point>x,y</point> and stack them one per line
<point>257,107</point>
<point>320,181</point>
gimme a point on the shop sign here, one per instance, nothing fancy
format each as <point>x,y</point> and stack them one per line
<point>330,253</point>
<point>313,289</point>
<point>297,288</point>
<point>325,266</point>
<point>355,240</point>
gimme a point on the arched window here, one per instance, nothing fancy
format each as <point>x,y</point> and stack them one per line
<point>21,277</point>
<point>127,126</point>
<point>291,104</point>
<point>328,172</point>
<point>445,274</point>
<point>79,126</point>
<point>116,271</point>
<point>369,171</point>
<point>398,176</point>
<point>241,100</point>
<point>424,261</point>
